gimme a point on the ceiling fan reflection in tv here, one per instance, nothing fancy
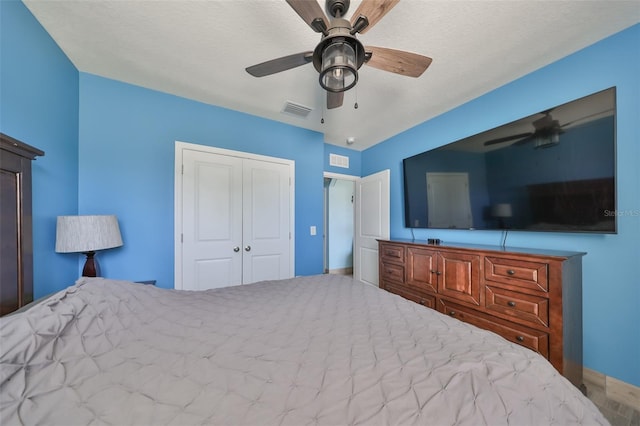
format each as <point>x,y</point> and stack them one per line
<point>546,132</point>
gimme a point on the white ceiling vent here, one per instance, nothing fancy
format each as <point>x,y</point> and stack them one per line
<point>339,161</point>
<point>296,109</point>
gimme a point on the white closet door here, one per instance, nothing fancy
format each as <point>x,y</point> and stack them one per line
<point>211,220</point>
<point>236,220</point>
<point>266,218</point>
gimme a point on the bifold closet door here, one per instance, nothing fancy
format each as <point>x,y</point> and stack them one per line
<point>266,219</point>
<point>211,220</point>
<point>236,220</point>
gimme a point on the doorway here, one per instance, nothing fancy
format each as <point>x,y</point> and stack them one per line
<point>370,211</point>
<point>339,197</point>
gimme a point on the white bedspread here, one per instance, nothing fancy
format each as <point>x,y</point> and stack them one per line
<point>311,350</point>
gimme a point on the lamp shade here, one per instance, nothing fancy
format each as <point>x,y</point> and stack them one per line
<point>501,210</point>
<point>80,234</point>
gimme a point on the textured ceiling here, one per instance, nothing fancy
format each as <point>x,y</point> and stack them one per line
<point>199,50</point>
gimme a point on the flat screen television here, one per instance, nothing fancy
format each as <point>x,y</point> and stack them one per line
<point>553,171</point>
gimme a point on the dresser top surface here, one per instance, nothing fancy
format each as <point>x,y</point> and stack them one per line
<point>488,247</point>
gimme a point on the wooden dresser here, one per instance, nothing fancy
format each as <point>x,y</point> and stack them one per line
<point>16,250</point>
<point>528,296</point>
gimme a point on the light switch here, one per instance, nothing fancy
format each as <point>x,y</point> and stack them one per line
<point>313,230</point>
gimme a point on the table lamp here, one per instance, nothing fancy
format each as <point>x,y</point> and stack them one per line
<point>502,211</point>
<point>87,234</point>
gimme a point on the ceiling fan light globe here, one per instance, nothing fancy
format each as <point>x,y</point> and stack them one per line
<point>338,72</point>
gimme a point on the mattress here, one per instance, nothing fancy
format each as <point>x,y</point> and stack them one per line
<point>323,350</point>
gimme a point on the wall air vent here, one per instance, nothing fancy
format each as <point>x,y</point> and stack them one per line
<point>296,109</point>
<point>339,161</point>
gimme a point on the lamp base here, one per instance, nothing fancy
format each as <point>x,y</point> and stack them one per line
<point>91,268</point>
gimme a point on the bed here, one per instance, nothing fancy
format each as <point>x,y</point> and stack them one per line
<point>323,349</point>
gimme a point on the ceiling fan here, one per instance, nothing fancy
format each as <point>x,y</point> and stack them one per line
<point>339,55</point>
<point>546,134</point>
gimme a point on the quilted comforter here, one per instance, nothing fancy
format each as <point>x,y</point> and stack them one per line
<point>311,350</point>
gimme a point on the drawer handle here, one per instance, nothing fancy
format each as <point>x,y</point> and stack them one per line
<point>511,272</point>
<point>422,301</point>
<point>520,338</point>
<point>452,313</point>
<point>511,303</point>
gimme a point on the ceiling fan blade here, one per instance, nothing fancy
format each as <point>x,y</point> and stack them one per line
<point>280,64</point>
<point>398,61</point>
<point>507,138</point>
<point>334,100</point>
<point>374,10</point>
<point>588,118</point>
<point>309,11</point>
<point>524,141</point>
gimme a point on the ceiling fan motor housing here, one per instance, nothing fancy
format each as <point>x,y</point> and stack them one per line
<point>337,8</point>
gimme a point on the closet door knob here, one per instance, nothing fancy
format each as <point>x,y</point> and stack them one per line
<point>236,249</point>
<point>247,248</point>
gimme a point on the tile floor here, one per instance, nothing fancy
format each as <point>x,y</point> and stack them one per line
<point>618,414</point>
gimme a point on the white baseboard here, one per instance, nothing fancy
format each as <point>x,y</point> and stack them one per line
<point>614,389</point>
<point>341,271</point>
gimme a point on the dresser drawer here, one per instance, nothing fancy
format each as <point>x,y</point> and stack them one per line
<point>393,253</point>
<point>520,273</point>
<point>392,272</point>
<point>532,309</point>
<point>427,300</point>
<point>533,339</point>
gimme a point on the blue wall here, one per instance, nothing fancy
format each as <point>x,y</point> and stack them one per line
<point>127,145</point>
<point>39,106</point>
<point>611,282</point>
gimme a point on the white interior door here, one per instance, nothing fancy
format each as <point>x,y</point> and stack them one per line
<point>234,218</point>
<point>448,200</point>
<point>211,220</point>
<point>372,222</point>
<point>266,208</point>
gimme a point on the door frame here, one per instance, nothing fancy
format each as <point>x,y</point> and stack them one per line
<point>325,231</point>
<point>357,200</point>
<point>177,200</point>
